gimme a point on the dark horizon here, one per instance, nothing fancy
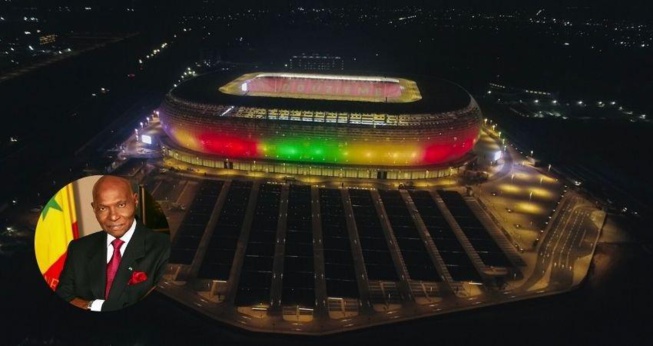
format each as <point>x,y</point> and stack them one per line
<point>609,7</point>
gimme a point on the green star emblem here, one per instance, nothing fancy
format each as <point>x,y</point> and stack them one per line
<point>52,203</point>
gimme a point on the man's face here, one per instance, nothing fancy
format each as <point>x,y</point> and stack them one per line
<point>114,205</point>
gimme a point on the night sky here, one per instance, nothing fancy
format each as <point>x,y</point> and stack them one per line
<point>626,6</point>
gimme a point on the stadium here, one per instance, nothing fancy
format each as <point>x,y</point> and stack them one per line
<point>319,124</point>
<point>324,258</point>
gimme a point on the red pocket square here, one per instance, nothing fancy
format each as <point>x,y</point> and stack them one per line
<point>137,277</point>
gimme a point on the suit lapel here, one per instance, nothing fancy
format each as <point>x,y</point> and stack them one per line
<point>98,259</point>
<point>133,253</point>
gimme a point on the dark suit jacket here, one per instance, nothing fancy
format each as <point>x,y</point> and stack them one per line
<point>84,272</point>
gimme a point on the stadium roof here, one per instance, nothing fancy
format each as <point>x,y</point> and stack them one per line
<point>438,96</point>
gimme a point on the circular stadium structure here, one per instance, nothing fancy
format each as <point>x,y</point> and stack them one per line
<point>319,124</point>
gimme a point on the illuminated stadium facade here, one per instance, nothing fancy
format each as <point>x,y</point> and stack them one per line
<point>319,258</point>
<point>328,125</point>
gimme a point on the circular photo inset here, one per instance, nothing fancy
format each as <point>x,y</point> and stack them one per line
<point>102,243</point>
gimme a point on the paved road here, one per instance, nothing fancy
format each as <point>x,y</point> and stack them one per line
<point>569,237</point>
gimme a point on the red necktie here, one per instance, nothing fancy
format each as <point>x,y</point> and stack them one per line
<point>112,266</point>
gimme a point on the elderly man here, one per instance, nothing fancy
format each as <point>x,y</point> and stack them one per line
<point>109,270</point>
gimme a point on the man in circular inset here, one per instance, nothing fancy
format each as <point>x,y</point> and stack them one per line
<point>109,270</point>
